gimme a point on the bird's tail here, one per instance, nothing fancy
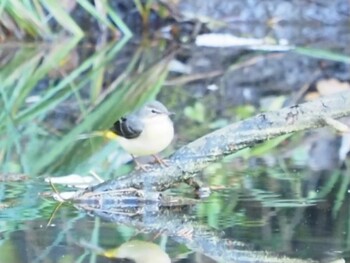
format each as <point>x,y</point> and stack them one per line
<point>105,134</point>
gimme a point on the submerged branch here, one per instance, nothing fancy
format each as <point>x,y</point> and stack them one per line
<point>191,158</point>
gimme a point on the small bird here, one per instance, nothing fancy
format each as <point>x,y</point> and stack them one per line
<point>147,131</point>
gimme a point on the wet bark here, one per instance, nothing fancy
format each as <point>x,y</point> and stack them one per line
<point>195,156</point>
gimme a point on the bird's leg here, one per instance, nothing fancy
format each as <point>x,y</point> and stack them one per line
<point>140,166</point>
<point>160,160</point>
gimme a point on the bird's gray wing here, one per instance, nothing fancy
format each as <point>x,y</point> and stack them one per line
<point>128,127</point>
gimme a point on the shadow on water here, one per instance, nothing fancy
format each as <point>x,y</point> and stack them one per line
<point>285,200</point>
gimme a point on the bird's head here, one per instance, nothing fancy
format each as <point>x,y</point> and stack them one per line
<point>153,110</point>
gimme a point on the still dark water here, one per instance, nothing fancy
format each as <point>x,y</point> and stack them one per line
<point>296,213</point>
<point>285,200</point>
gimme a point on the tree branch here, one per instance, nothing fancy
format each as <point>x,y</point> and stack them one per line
<point>197,155</point>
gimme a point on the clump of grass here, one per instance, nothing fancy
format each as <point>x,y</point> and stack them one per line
<point>24,130</point>
<point>22,19</point>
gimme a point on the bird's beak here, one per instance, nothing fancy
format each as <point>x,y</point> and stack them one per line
<point>170,113</point>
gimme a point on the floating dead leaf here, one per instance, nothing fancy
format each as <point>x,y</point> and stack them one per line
<point>331,86</point>
<point>326,87</point>
<point>313,95</point>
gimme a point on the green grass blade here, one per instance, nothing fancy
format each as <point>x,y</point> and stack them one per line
<point>55,95</point>
<point>341,195</point>
<point>323,54</point>
<point>15,138</point>
<point>119,22</point>
<point>19,63</point>
<point>97,82</point>
<point>94,12</point>
<point>52,60</point>
<point>26,18</point>
<point>62,17</point>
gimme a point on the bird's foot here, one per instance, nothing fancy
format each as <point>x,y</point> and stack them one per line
<point>141,166</point>
<point>162,162</point>
<point>144,167</point>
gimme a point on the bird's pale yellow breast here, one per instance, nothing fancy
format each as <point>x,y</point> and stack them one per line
<point>157,134</point>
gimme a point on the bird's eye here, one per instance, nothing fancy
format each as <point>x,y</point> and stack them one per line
<point>154,111</point>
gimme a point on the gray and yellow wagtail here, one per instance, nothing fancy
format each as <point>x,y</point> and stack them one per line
<point>147,131</point>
